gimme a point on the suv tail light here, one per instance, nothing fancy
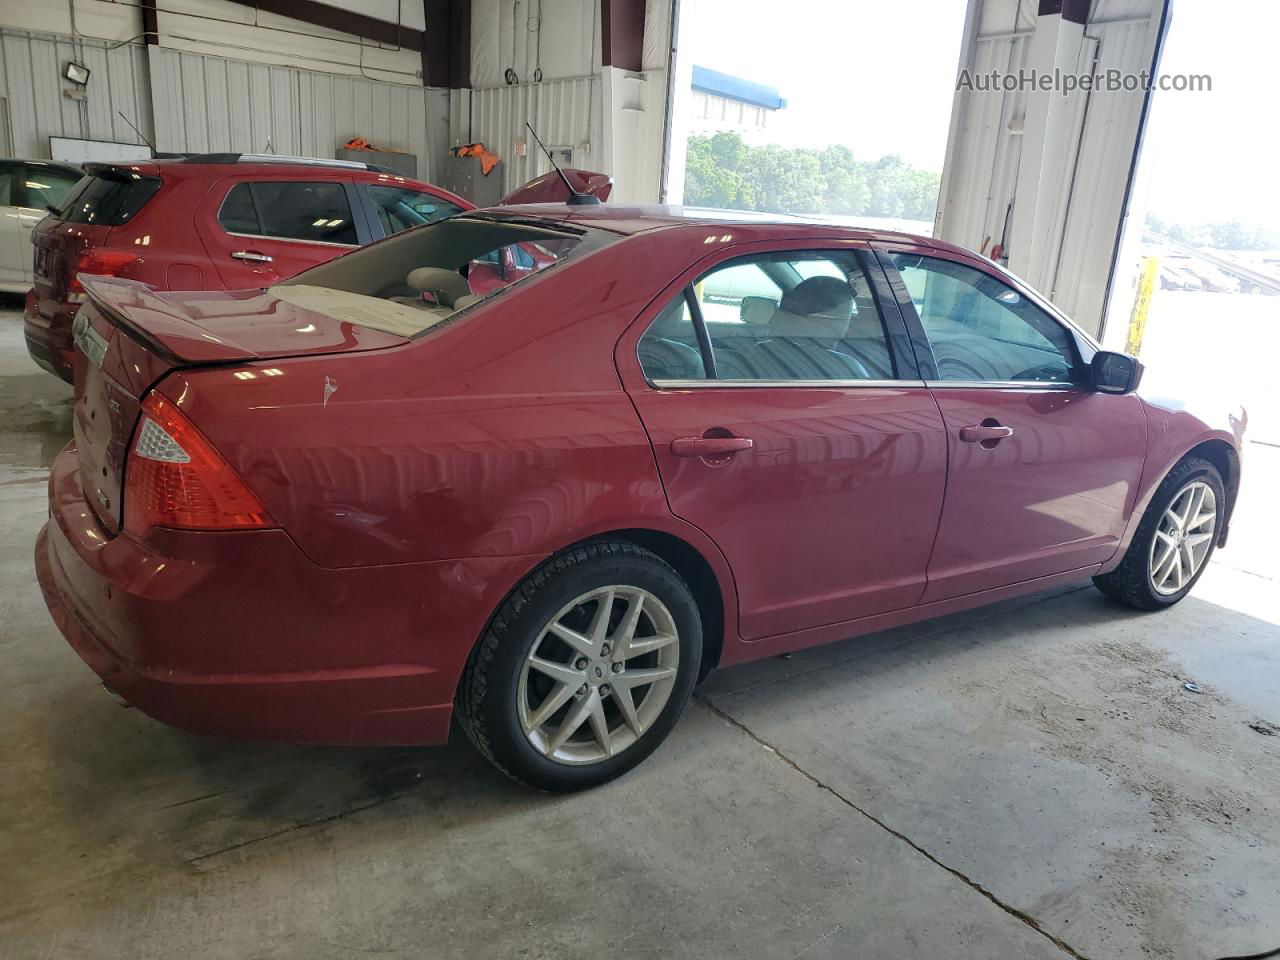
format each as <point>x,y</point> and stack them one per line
<point>175,478</point>
<point>102,263</point>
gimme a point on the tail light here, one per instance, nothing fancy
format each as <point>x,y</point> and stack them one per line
<point>101,263</point>
<point>175,478</point>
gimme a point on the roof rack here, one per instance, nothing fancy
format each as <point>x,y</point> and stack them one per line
<point>280,158</point>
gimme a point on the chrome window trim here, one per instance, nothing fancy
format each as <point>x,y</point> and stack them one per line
<point>1003,385</point>
<point>703,384</point>
<point>314,243</point>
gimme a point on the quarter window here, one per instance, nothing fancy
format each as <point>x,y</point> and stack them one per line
<point>796,316</point>
<point>315,212</point>
<point>981,328</point>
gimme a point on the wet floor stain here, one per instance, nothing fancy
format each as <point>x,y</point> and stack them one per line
<point>35,424</point>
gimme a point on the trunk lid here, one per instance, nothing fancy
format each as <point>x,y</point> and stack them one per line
<point>129,335</point>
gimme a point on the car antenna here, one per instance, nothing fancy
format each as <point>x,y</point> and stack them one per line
<point>137,131</point>
<point>576,198</point>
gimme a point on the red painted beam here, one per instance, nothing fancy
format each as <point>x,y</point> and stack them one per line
<point>344,21</point>
<point>622,34</point>
<point>446,57</point>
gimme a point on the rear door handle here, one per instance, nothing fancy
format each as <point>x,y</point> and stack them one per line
<point>251,255</point>
<point>710,448</point>
<point>985,433</point>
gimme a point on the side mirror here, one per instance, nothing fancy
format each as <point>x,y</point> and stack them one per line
<point>1115,372</point>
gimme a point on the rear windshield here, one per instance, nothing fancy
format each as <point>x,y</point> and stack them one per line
<point>413,281</point>
<point>108,201</point>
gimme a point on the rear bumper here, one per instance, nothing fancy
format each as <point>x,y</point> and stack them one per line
<point>238,634</point>
<point>49,337</point>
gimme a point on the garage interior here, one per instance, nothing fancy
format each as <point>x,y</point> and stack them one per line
<point>1050,776</point>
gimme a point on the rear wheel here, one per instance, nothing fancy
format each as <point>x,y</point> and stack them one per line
<point>584,669</point>
<point>1174,541</point>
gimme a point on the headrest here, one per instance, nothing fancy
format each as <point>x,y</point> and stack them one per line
<point>757,311</point>
<point>817,307</point>
<point>445,285</point>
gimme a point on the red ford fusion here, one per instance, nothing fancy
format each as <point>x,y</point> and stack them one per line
<point>354,504</point>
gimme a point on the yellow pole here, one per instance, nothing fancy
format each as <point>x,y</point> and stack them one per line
<point>1142,304</point>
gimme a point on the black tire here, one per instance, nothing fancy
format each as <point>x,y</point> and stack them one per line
<point>1130,583</point>
<point>487,704</point>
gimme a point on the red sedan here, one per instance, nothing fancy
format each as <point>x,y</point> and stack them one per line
<point>346,507</point>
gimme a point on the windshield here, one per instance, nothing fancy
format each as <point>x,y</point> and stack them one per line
<point>413,281</point>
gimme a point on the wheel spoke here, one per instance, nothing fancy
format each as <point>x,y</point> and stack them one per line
<point>1177,569</point>
<point>638,678</point>
<point>1166,539</point>
<point>639,648</point>
<point>1190,509</point>
<point>600,724</point>
<point>573,720</point>
<point>1195,539</point>
<point>1175,521</point>
<point>599,628</point>
<point>572,637</point>
<point>627,707</point>
<point>625,634</point>
<point>559,672</point>
<point>554,700</point>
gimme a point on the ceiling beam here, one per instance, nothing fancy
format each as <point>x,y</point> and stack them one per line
<point>343,21</point>
<point>622,34</point>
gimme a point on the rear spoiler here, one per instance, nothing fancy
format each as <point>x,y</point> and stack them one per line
<point>549,188</point>
<point>123,172</point>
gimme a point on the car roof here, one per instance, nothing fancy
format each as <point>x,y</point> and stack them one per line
<point>631,220</point>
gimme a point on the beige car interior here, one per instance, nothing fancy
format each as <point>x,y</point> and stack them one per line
<point>403,271</point>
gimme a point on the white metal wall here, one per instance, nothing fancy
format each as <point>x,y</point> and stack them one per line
<point>208,104</point>
<point>35,109</point>
<point>566,113</point>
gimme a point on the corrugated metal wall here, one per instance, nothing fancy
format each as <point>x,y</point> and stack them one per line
<point>566,113</point>
<point>208,104</point>
<point>34,108</point>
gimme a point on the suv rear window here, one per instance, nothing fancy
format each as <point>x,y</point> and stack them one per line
<point>108,201</point>
<point>315,212</point>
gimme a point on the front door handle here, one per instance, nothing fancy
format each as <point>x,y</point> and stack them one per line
<point>988,432</point>
<point>253,256</point>
<point>710,448</point>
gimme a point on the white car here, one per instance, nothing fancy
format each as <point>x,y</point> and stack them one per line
<point>27,189</point>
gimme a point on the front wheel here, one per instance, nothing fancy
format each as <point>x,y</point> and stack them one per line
<point>1174,541</point>
<point>584,669</point>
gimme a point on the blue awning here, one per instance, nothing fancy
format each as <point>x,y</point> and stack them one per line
<point>730,87</point>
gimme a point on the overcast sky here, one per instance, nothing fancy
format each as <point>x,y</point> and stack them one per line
<point>879,78</point>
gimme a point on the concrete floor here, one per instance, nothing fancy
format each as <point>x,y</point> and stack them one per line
<point>1029,780</point>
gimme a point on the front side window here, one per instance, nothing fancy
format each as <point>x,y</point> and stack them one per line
<point>290,210</point>
<point>400,208</point>
<point>980,328</point>
<point>795,316</point>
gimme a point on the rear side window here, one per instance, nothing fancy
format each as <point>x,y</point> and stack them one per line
<point>400,208</point>
<point>108,201</point>
<point>290,210</point>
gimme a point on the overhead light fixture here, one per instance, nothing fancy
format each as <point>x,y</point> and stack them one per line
<point>77,73</point>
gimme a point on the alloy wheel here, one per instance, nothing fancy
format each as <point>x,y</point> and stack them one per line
<point>598,675</point>
<point>1183,538</point>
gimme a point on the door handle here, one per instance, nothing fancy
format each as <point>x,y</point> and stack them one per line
<point>710,448</point>
<point>251,255</point>
<point>988,432</point>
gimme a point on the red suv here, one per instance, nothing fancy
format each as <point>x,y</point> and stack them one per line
<point>223,222</point>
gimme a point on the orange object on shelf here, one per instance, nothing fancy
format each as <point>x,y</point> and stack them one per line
<point>487,160</point>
